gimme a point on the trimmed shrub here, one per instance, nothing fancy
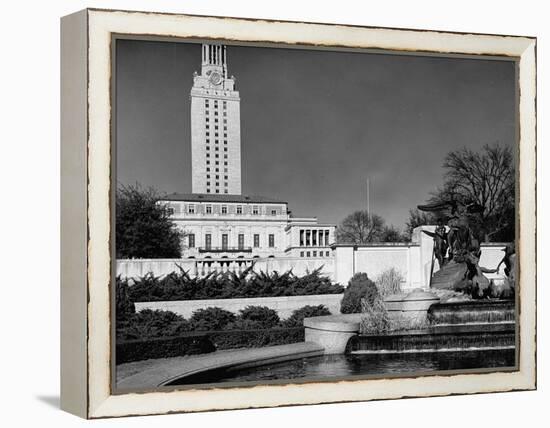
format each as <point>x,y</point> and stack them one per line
<point>182,286</point>
<point>389,282</point>
<point>242,324</point>
<point>231,339</point>
<point>297,317</point>
<point>359,287</point>
<point>212,318</point>
<point>262,315</point>
<point>138,350</point>
<point>150,324</point>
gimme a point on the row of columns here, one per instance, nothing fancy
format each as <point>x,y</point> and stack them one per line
<point>314,237</point>
<point>205,267</point>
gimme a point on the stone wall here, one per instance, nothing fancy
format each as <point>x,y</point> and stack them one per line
<point>283,305</point>
<point>413,260</point>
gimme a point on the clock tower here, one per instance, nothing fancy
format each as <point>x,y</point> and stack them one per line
<point>215,126</point>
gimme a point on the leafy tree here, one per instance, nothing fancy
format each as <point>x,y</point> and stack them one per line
<point>360,228</point>
<point>143,226</point>
<point>486,178</point>
<point>392,234</point>
<point>125,308</point>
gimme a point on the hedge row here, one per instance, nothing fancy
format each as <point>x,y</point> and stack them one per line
<point>137,350</point>
<point>226,285</point>
<point>204,342</point>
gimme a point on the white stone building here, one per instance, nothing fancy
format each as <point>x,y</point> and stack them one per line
<point>219,222</point>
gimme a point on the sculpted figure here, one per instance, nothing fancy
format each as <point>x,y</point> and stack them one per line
<point>440,242</point>
<point>461,271</point>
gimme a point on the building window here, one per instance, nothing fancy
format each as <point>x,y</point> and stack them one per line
<point>191,209</point>
<point>208,241</point>
<point>327,254</point>
<point>256,240</point>
<point>308,254</point>
<point>191,239</point>
<point>241,241</point>
<point>271,240</point>
<point>301,254</point>
<point>224,209</point>
<point>315,254</point>
<point>224,241</point>
<point>255,210</point>
<point>302,241</point>
<point>326,237</point>
<point>209,209</point>
<point>273,212</point>
<point>239,209</point>
<point>308,237</point>
<point>170,211</point>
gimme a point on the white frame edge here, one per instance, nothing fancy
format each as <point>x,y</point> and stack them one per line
<point>101,26</point>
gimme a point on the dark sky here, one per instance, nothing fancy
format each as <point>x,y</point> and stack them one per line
<point>316,124</point>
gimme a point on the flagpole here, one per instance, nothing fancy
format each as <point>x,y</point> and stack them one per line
<point>368,198</point>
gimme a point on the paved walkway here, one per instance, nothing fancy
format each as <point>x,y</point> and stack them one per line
<point>162,371</point>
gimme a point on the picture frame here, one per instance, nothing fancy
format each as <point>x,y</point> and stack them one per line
<point>87,209</point>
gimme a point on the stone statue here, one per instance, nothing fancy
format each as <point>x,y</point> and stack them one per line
<point>461,270</point>
<point>440,242</point>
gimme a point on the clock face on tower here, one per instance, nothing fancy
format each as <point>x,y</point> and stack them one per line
<point>215,78</point>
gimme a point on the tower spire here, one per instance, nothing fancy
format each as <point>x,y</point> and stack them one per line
<point>215,126</point>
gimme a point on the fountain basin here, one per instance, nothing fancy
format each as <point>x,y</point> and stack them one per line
<point>332,332</point>
<point>438,339</point>
<point>412,306</point>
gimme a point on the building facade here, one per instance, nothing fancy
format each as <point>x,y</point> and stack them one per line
<point>219,222</point>
<point>241,226</point>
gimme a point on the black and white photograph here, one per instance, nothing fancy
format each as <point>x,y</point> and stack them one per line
<point>286,214</point>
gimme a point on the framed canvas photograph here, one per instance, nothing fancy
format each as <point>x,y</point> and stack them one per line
<point>263,213</point>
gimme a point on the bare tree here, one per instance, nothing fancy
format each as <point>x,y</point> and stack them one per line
<point>360,228</point>
<point>486,178</point>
